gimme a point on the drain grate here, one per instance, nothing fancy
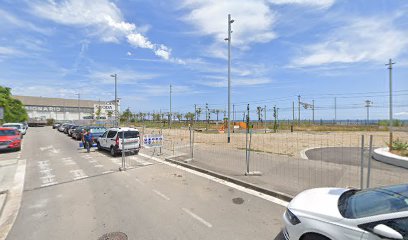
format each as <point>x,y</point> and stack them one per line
<point>238,200</point>
<point>114,236</point>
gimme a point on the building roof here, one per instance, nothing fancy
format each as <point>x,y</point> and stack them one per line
<point>57,102</point>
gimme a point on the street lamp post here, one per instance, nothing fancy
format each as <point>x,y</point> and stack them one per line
<point>390,63</point>
<point>230,21</point>
<point>116,99</point>
<point>79,108</point>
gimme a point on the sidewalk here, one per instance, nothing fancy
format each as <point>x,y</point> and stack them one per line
<point>12,173</point>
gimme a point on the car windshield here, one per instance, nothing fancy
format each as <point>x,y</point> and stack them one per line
<point>12,126</point>
<point>98,130</point>
<point>366,203</point>
<point>129,134</point>
<point>7,132</point>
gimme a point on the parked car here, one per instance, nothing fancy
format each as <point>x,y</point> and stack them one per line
<point>77,134</point>
<point>97,132</point>
<point>18,126</point>
<point>112,139</point>
<point>67,127</point>
<point>62,127</point>
<point>56,125</point>
<point>10,139</point>
<point>72,129</point>
<point>341,213</point>
<point>25,125</point>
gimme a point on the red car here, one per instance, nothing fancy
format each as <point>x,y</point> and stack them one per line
<point>10,139</point>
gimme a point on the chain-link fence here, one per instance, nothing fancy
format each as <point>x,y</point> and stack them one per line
<point>285,161</point>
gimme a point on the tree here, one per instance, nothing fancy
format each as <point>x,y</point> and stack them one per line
<point>14,110</point>
<point>189,116</point>
<point>179,116</point>
<point>126,115</point>
<point>110,113</point>
<point>98,112</point>
<point>259,112</point>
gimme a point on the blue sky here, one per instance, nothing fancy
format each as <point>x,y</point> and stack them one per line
<point>320,49</point>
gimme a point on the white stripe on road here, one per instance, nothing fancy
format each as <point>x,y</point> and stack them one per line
<point>197,217</point>
<point>161,195</point>
<point>49,184</point>
<point>106,172</point>
<point>78,174</point>
<point>229,184</point>
<point>98,166</point>
<point>141,161</point>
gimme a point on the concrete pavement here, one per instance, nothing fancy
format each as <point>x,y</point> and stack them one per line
<point>70,194</point>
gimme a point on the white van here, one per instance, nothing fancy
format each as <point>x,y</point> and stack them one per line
<point>112,140</point>
<point>19,126</point>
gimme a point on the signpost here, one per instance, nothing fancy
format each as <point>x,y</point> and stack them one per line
<point>153,140</point>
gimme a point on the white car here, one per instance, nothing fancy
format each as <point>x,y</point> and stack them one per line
<point>19,126</point>
<point>339,213</point>
<point>112,140</point>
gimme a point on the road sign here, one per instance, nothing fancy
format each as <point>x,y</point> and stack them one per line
<point>1,113</point>
<point>153,140</point>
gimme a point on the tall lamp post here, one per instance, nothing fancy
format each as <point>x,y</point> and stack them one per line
<point>230,21</point>
<point>79,108</point>
<point>390,63</point>
<point>116,99</point>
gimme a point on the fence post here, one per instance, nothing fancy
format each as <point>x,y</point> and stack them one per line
<point>370,155</point>
<point>123,152</point>
<point>362,163</point>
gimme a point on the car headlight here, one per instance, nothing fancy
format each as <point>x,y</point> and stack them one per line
<point>291,217</point>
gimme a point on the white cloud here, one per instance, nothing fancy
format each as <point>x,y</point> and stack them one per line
<point>401,114</point>
<point>221,82</point>
<point>359,40</point>
<point>253,20</point>
<point>123,76</point>
<point>13,20</point>
<point>103,17</point>
<point>129,53</point>
<point>9,51</point>
<point>312,3</point>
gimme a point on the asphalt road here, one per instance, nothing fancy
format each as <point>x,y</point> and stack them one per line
<point>70,194</point>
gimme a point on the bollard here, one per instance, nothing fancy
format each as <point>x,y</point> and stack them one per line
<point>362,163</point>
<point>370,156</point>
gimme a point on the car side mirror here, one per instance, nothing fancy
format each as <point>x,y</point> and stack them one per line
<point>387,232</point>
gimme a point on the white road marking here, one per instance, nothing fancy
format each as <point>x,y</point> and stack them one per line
<point>98,166</point>
<point>139,181</point>
<point>161,194</point>
<point>141,161</point>
<point>106,172</point>
<point>53,150</point>
<point>46,148</point>
<point>78,174</point>
<point>46,171</point>
<point>93,161</point>
<point>229,184</point>
<point>66,158</point>
<point>197,217</point>
<point>49,184</point>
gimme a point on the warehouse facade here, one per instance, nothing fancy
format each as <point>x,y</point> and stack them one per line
<point>61,109</point>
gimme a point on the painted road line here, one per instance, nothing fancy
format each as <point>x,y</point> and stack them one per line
<point>93,161</point>
<point>197,217</point>
<point>141,161</point>
<point>69,162</point>
<point>229,184</point>
<point>46,148</point>
<point>78,174</point>
<point>107,172</point>
<point>161,195</point>
<point>12,206</point>
<point>98,166</point>
<point>49,184</point>
<point>55,151</point>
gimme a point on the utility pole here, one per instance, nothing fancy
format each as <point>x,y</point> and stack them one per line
<point>170,109</point>
<point>313,110</point>
<point>195,111</point>
<point>79,108</point>
<point>116,100</point>
<point>206,114</point>
<point>230,21</point>
<point>368,105</point>
<point>390,63</point>
<point>275,116</point>
<point>233,118</point>
<point>299,110</point>
<point>335,110</point>
<point>265,118</point>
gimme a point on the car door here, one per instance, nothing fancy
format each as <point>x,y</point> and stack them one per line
<point>110,138</point>
<point>102,139</point>
<point>398,224</point>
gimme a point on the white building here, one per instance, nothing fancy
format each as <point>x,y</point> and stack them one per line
<point>61,109</point>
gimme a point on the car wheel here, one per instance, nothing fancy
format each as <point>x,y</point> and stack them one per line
<point>314,236</point>
<point>98,146</point>
<point>137,152</point>
<point>112,152</point>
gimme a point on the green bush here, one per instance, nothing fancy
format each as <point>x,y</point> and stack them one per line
<point>399,145</point>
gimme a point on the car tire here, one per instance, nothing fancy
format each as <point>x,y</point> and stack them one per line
<point>112,152</point>
<point>98,146</point>
<point>137,152</point>
<point>314,236</point>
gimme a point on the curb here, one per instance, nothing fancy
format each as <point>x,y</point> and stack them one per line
<point>276,194</point>
<point>3,203</point>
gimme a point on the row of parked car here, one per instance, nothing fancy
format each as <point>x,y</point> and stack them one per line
<point>11,136</point>
<point>113,140</point>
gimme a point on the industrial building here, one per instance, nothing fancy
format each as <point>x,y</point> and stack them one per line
<point>61,109</point>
